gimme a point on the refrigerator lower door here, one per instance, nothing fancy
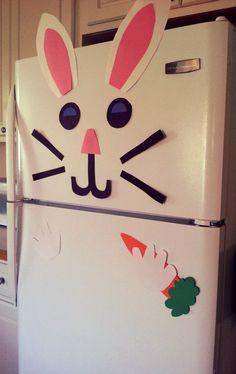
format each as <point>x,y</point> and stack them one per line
<point>87,305</point>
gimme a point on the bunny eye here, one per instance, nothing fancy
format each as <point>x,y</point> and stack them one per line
<point>69,116</point>
<point>119,113</point>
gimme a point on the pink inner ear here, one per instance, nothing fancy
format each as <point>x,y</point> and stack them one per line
<point>58,60</point>
<point>133,45</point>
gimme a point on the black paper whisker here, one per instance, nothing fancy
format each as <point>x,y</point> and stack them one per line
<point>43,140</point>
<point>153,139</point>
<point>48,173</point>
<point>150,191</point>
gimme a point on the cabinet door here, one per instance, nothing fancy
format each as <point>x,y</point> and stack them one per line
<point>99,15</point>
<point>193,2</point>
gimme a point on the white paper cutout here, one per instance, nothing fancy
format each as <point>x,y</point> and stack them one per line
<point>48,21</point>
<point>153,269</point>
<point>162,11</point>
<point>47,241</point>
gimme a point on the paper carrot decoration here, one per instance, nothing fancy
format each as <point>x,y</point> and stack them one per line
<point>180,292</point>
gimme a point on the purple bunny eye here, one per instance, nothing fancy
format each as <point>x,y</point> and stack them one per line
<point>69,116</point>
<point>119,113</point>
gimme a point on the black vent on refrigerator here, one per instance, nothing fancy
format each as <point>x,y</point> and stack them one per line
<point>98,37</point>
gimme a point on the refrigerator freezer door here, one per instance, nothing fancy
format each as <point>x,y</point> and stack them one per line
<point>87,305</point>
<point>182,163</point>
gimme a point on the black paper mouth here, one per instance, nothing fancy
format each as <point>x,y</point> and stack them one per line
<point>92,187</point>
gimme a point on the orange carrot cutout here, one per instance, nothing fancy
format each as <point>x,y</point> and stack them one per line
<point>157,274</point>
<point>132,243</point>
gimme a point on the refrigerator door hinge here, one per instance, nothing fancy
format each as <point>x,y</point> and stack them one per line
<point>207,223</point>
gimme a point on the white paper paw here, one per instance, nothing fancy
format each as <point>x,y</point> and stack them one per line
<point>153,269</point>
<point>47,240</point>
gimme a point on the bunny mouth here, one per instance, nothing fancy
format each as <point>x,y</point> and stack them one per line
<point>92,187</point>
<point>82,191</point>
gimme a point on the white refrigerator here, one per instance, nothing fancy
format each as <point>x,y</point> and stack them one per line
<point>126,179</point>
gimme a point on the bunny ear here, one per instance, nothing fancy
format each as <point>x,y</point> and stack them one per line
<point>136,41</point>
<point>56,55</point>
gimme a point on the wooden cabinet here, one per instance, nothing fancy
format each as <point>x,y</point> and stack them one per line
<point>192,2</point>
<point>94,16</point>
<point>99,15</point>
<point>204,7</point>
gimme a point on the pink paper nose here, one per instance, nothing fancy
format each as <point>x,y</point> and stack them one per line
<point>90,143</point>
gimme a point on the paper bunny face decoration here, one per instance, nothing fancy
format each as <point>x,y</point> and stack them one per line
<point>91,97</point>
<point>128,57</point>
